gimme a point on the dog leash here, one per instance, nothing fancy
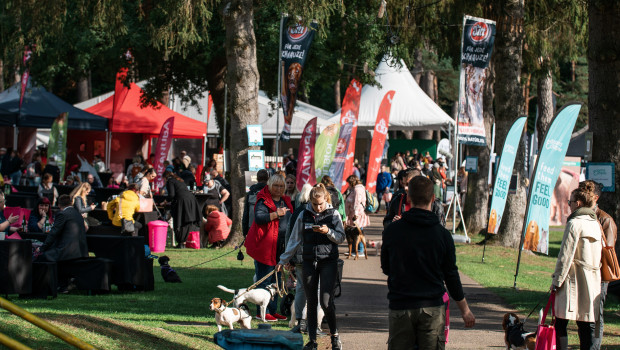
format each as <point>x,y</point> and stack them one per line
<point>217,257</point>
<point>281,292</point>
<point>545,297</point>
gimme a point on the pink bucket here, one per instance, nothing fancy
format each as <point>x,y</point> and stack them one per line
<point>158,232</point>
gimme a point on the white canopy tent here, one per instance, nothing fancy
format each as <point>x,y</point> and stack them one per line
<point>411,109</point>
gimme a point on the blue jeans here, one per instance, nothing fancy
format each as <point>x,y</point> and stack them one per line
<point>261,271</point>
<point>360,247</point>
<point>300,294</point>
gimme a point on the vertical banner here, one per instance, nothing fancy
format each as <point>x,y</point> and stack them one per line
<point>325,150</point>
<point>161,150</point>
<point>476,49</point>
<point>378,141</point>
<point>296,41</point>
<point>120,90</point>
<point>546,172</point>
<point>337,168</point>
<point>504,173</point>
<point>26,74</point>
<point>348,114</point>
<point>57,146</point>
<point>305,158</point>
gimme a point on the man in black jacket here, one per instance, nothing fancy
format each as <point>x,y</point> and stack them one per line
<point>418,256</point>
<point>250,200</point>
<point>67,238</point>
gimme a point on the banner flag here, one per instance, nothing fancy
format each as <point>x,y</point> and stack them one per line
<point>296,41</point>
<point>504,174</point>
<point>378,141</point>
<point>348,114</point>
<point>476,49</point>
<point>325,150</point>
<point>546,172</point>
<point>120,91</point>
<point>26,74</point>
<point>57,146</point>
<point>305,158</point>
<point>337,168</point>
<point>161,150</point>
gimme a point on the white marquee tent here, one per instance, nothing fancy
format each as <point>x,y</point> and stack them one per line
<point>411,109</point>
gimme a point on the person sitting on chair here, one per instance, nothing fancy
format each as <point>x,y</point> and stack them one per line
<point>124,207</point>
<point>67,238</point>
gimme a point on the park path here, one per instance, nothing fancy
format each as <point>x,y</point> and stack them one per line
<point>363,307</point>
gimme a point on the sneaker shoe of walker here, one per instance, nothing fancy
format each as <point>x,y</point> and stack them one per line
<point>279,317</point>
<point>268,318</point>
<point>311,345</point>
<point>336,343</point>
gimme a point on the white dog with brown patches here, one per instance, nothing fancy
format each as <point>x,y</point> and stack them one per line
<point>227,316</point>
<point>258,296</point>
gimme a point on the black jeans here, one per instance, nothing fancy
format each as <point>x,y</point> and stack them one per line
<point>325,271</point>
<point>584,329</point>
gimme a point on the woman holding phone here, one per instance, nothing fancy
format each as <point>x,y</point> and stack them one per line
<point>319,230</point>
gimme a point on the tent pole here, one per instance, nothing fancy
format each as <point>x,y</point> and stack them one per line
<point>279,97</point>
<point>108,147</point>
<point>15,133</point>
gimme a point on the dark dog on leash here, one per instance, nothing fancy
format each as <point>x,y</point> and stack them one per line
<point>168,272</point>
<point>354,236</point>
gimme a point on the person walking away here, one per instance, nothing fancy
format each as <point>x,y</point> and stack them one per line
<point>354,207</point>
<point>217,227</point>
<point>318,230</point>
<point>576,280</point>
<point>47,189</point>
<point>437,181</point>
<point>250,200</point>
<point>418,256</point>
<point>384,182</point>
<point>124,207</point>
<point>400,202</point>
<point>185,211</point>
<point>265,240</point>
<point>461,185</point>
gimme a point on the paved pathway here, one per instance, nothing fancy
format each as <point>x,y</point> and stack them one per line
<point>363,307</point>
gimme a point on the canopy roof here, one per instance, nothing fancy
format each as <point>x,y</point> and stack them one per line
<point>411,109</point>
<point>40,108</point>
<point>130,117</point>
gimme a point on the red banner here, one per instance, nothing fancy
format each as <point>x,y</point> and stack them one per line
<point>348,114</point>
<point>120,91</point>
<point>378,141</point>
<point>26,74</point>
<point>161,150</point>
<point>305,159</point>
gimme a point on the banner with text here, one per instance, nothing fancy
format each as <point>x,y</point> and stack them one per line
<point>477,46</point>
<point>161,150</point>
<point>57,146</point>
<point>325,150</point>
<point>296,41</point>
<point>305,158</point>
<point>337,168</point>
<point>378,141</point>
<point>348,114</point>
<point>504,174</point>
<point>546,172</point>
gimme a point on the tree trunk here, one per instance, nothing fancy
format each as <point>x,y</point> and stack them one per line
<point>417,66</point>
<point>338,103</point>
<point>1,75</point>
<point>242,78</point>
<point>526,95</point>
<point>216,71</point>
<point>476,206</point>
<point>82,89</point>
<point>427,83</point>
<point>545,106</point>
<point>507,57</point>
<point>604,79</point>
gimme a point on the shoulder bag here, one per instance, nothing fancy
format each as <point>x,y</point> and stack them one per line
<point>127,226</point>
<point>610,271</point>
<point>545,333</point>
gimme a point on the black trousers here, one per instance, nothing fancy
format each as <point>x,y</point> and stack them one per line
<point>325,271</point>
<point>584,329</point>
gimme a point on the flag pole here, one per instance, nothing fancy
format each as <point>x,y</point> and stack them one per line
<point>279,97</point>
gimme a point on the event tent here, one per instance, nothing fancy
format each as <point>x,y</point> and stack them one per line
<point>40,108</point>
<point>131,117</point>
<point>411,109</point>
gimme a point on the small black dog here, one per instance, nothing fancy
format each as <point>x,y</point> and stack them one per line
<point>168,272</point>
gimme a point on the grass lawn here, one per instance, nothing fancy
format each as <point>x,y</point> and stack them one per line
<point>497,274</point>
<point>173,316</point>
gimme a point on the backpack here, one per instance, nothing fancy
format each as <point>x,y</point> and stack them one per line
<point>333,193</point>
<point>252,199</point>
<point>371,203</point>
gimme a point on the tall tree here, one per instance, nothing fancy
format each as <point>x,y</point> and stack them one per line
<point>604,77</point>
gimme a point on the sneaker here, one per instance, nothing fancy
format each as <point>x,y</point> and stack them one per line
<point>268,318</point>
<point>336,343</point>
<point>311,345</point>
<point>320,333</point>
<point>279,317</point>
<point>303,326</point>
<point>297,329</point>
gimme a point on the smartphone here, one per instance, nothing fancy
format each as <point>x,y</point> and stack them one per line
<point>316,227</point>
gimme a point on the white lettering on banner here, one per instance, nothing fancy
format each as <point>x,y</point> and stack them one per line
<point>389,97</point>
<point>306,154</point>
<point>509,149</point>
<point>381,128</point>
<point>355,86</point>
<point>294,54</point>
<point>470,57</point>
<point>349,118</point>
<point>555,145</point>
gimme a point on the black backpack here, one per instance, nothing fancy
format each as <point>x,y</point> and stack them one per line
<point>333,193</point>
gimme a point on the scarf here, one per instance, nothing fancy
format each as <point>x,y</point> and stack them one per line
<point>582,211</point>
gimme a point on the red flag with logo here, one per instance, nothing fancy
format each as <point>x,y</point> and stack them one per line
<point>120,91</point>
<point>305,159</point>
<point>348,114</point>
<point>161,150</point>
<point>25,75</point>
<point>378,141</point>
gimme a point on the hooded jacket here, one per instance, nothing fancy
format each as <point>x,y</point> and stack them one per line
<point>418,256</point>
<point>261,241</point>
<point>130,204</point>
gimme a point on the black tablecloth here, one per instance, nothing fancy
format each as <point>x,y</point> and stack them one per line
<point>44,280</point>
<point>15,266</point>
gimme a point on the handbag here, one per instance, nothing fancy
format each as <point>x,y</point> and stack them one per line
<point>610,270</point>
<point>127,226</point>
<point>545,333</point>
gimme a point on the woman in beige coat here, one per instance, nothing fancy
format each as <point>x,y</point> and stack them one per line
<point>577,277</point>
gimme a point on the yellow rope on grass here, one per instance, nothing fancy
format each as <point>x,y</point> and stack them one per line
<point>12,344</point>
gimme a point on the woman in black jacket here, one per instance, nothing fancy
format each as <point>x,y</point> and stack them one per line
<point>319,230</point>
<point>185,212</point>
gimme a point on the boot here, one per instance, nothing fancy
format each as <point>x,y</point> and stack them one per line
<point>311,345</point>
<point>562,343</point>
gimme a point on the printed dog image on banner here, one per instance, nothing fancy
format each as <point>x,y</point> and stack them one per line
<point>296,41</point>
<point>478,39</point>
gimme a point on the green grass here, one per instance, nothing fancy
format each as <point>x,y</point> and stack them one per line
<point>173,316</point>
<point>534,280</point>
